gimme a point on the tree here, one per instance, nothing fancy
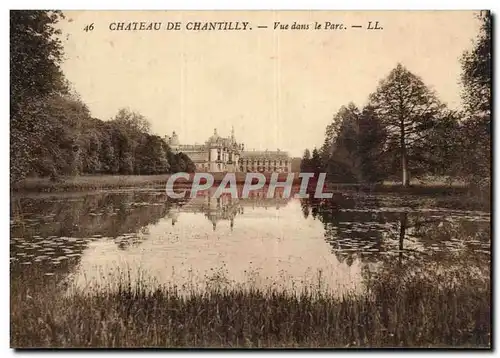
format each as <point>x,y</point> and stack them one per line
<point>305,164</point>
<point>476,96</point>
<point>476,72</point>
<point>151,157</point>
<point>315,164</point>
<point>340,151</point>
<point>108,155</point>
<point>330,133</point>
<point>372,143</point>
<point>35,75</point>
<point>436,154</point>
<point>333,129</point>
<point>187,164</point>
<point>45,140</point>
<point>407,108</point>
<point>346,145</point>
<point>132,121</point>
<point>35,56</point>
<point>130,128</point>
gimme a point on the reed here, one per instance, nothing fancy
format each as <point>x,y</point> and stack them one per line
<point>422,312</point>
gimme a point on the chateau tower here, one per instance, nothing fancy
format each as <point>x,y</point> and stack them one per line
<point>225,154</point>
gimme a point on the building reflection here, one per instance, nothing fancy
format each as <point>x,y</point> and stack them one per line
<point>226,208</point>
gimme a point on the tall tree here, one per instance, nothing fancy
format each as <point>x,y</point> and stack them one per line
<point>36,53</point>
<point>130,127</point>
<point>439,152</point>
<point>315,164</point>
<point>372,144</point>
<point>333,130</point>
<point>35,75</point>
<point>305,164</point>
<point>407,108</point>
<point>476,72</point>
<point>132,121</point>
<point>476,97</point>
<point>340,151</point>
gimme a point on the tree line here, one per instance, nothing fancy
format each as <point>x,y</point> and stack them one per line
<point>405,131</point>
<point>52,132</point>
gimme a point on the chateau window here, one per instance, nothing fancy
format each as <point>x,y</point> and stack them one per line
<point>218,154</point>
<point>281,162</point>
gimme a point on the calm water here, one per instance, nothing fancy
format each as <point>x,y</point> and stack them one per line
<point>82,241</point>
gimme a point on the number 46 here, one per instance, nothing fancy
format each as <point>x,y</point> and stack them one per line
<point>89,27</point>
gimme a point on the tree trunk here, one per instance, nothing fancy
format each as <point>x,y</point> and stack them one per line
<point>406,176</point>
<point>404,157</point>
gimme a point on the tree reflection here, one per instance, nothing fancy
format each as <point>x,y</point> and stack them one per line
<point>349,231</point>
<point>372,229</point>
<point>109,215</point>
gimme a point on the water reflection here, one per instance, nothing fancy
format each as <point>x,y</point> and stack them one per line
<point>393,233</point>
<point>94,239</point>
<point>226,208</point>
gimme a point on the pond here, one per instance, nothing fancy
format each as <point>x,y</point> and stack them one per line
<point>88,241</point>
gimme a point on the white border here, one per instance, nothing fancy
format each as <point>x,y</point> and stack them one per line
<point>256,5</point>
<point>186,5</point>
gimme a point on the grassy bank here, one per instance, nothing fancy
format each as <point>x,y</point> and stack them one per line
<point>416,313</point>
<point>457,194</point>
<point>90,182</point>
<point>415,187</point>
<point>107,182</point>
<point>103,182</point>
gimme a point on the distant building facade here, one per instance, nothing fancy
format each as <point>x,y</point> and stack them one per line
<point>265,161</point>
<point>225,154</point>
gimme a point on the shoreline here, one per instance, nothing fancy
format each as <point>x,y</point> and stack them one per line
<point>105,182</point>
<point>154,182</point>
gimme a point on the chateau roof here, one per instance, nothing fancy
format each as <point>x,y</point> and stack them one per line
<point>192,147</point>
<point>217,141</point>
<point>268,154</point>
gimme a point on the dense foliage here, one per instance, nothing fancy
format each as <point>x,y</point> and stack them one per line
<point>476,80</point>
<point>52,131</point>
<point>404,129</point>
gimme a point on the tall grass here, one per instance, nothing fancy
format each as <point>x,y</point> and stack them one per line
<point>422,312</point>
<point>90,182</point>
<point>106,182</point>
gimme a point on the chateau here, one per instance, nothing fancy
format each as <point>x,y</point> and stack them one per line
<point>225,154</point>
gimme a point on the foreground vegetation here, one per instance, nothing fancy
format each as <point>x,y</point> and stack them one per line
<point>394,313</point>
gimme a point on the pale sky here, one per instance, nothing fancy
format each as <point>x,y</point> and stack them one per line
<point>278,88</point>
